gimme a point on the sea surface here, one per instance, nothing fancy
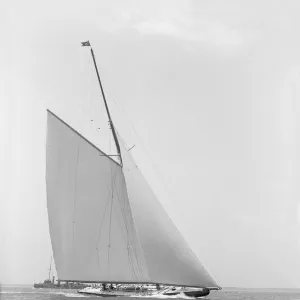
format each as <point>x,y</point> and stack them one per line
<point>25,292</point>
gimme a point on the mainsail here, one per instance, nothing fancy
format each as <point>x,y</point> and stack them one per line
<point>91,226</point>
<point>106,224</point>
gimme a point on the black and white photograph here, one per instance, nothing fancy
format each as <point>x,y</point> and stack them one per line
<point>150,149</point>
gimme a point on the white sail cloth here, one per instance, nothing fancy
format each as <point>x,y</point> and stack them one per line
<point>169,258</point>
<point>92,232</point>
<point>105,227</point>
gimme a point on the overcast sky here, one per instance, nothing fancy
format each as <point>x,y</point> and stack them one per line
<point>212,89</point>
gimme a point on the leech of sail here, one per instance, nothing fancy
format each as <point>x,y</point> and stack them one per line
<point>106,107</point>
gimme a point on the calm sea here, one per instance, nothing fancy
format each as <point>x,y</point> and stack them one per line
<point>23,292</point>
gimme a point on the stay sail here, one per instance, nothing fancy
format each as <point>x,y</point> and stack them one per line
<point>106,224</point>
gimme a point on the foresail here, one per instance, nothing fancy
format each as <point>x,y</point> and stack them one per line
<point>91,226</point>
<point>168,257</point>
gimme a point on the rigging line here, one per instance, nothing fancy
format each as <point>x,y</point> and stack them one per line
<point>127,241</point>
<point>110,215</point>
<point>134,255</point>
<point>122,109</point>
<point>75,192</point>
<point>104,212</point>
<point>111,207</point>
<point>133,229</point>
<point>144,148</point>
<point>127,237</point>
<point>122,206</point>
<point>123,215</point>
<point>135,131</point>
<point>130,214</point>
<point>120,225</point>
<point>132,251</point>
<point>162,181</point>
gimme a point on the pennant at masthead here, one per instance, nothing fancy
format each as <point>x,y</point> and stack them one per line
<point>87,43</point>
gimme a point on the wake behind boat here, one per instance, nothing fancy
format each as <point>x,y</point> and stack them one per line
<point>106,224</point>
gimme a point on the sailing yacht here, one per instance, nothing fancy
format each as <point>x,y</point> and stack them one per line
<point>107,226</point>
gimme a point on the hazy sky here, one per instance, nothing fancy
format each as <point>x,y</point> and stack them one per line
<point>212,88</point>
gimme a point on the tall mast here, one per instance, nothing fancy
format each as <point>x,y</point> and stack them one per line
<point>112,127</point>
